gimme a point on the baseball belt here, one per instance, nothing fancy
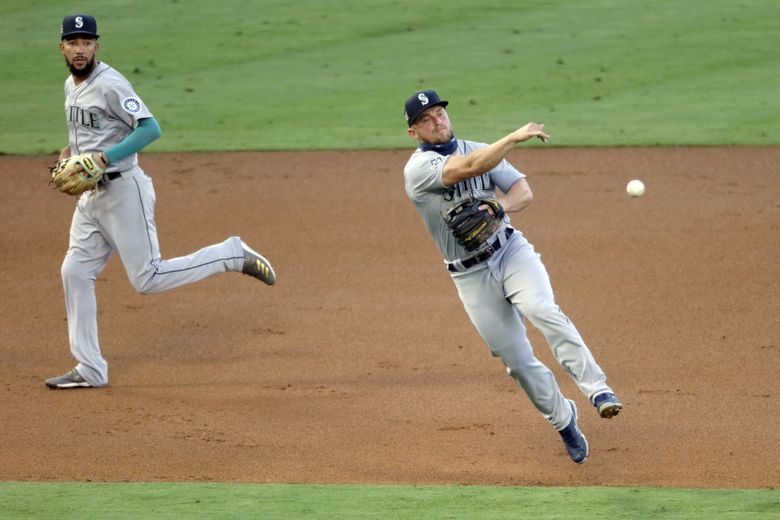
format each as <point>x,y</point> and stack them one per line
<point>459,266</point>
<point>108,177</point>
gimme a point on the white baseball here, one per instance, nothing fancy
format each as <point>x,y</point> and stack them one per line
<point>635,188</point>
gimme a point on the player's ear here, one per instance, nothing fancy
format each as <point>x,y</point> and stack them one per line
<point>412,133</point>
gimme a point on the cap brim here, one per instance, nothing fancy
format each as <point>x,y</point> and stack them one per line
<point>74,34</point>
<point>441,103</point>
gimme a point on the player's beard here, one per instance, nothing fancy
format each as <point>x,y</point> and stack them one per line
<point>81,73</point>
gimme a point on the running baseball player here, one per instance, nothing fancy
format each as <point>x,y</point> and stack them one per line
<point>463,190</point>
<point>108,124</point>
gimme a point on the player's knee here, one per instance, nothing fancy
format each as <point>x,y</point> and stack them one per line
<point>520,362</point>
<point>145,279</point>
<point>143,284</point>
<point>140,289</point>
<point>520,378</point>
<point>66,271</point>
<point>72,271</point>
<point>514,364</point>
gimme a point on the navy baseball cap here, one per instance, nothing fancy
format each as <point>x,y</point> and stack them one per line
<point>419,103</point>
<point>79,25</point>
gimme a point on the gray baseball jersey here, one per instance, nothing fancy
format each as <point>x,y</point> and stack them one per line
<point>511,285</point>
<point>425,189</point>
<point>102,111</point>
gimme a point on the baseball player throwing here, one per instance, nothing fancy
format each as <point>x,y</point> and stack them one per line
<point>499,276</point>
<point>108,124</point>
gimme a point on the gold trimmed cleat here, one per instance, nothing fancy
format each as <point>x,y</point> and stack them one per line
<point>257,265</point>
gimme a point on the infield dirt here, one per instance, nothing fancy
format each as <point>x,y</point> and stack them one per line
<point>360,365</point>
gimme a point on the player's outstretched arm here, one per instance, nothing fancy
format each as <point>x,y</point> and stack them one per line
<point>462,167</point>
<point>528,131</point>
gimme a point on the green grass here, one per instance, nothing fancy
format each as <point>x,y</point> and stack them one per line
<point>333,74</point>
<point>231,501</point>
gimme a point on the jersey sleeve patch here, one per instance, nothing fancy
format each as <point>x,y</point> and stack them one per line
<point>423,174</point>
<point>131,105</point>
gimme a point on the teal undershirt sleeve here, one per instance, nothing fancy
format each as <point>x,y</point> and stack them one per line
<point>147,131</point>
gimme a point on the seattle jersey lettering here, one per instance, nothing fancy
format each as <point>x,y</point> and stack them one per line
<point>83,117</point>
<point>478,183</point>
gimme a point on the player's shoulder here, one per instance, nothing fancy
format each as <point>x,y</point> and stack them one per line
<point>467,146</point>
<point>420,158</point>
<point>106,78</point>
<point>109,74</point>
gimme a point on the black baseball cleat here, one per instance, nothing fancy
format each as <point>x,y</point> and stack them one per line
<point>258,266</point>
<point>70,380</point>
<point>575,442</point>
<point>607,404</point>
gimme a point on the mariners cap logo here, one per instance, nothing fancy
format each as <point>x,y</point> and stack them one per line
<point>419,103</point>
<point>79,25</point>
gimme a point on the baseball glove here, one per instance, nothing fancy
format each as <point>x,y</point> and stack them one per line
<point>76,174</point>
<point>472,226</point>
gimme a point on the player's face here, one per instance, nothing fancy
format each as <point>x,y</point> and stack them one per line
<point>432,127</point>
<point>80,55</point>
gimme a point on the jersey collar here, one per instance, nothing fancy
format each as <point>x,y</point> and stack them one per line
<point>442,149</point>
